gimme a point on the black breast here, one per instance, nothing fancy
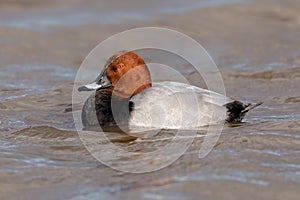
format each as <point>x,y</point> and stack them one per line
<point>104,109</point>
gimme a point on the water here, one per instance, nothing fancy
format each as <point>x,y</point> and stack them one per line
<point>99,12</point>
<point>30,79</point>
<point>41,155</point>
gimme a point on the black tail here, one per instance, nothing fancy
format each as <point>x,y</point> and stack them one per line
<point>236,110</point>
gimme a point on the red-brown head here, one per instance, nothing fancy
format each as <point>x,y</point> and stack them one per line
<point>125,73</point>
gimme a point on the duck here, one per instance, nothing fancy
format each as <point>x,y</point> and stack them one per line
<point>124,95</point>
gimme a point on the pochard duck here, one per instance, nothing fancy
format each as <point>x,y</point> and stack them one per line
<point>125,95</point>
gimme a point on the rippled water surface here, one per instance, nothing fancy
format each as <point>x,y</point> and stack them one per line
<point>256,47</point>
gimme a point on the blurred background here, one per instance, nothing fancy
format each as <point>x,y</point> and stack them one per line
<point>255,44</point>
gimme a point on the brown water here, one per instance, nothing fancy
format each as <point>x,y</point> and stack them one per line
<point>254,43</point>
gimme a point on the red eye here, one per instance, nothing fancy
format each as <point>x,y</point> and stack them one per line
<point>121,65</point>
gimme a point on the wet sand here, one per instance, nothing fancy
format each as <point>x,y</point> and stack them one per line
<point>255,45</point>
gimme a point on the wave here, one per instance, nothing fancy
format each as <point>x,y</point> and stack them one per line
<point>44,132</point>
<point>290,73</point>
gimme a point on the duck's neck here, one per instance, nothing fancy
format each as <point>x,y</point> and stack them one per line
<point>127,93</point>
